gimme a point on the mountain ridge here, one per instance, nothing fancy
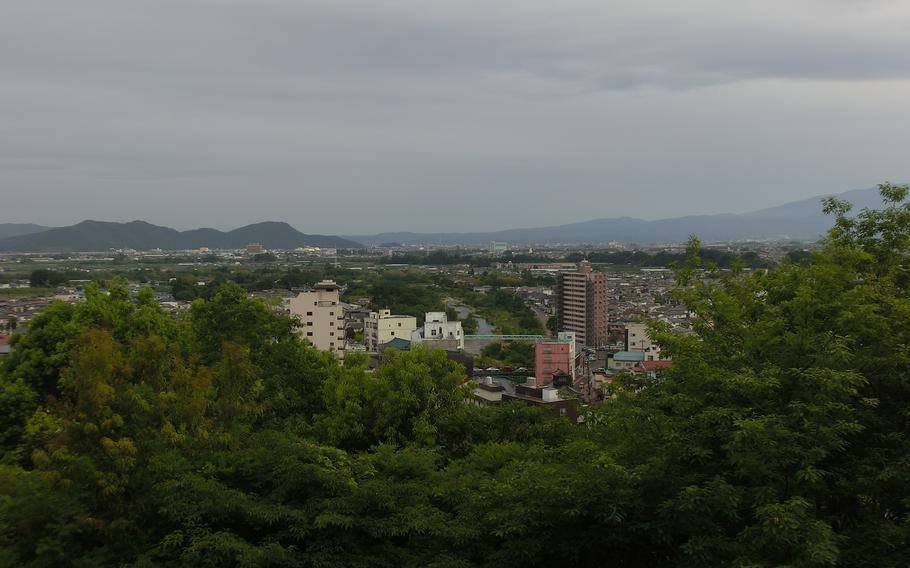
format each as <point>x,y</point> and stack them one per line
<point>802,219</point>
<point>17,229</point>
<point>91,235</point>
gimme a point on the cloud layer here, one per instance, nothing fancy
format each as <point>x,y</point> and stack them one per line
<point>353,117</point>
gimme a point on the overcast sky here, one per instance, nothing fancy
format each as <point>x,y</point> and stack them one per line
<point>428,115</point>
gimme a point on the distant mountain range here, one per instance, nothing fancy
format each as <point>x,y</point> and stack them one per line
<point>796,220</point>
<point>139,235</point>
<point>801,220</point>
<point>16,229</point>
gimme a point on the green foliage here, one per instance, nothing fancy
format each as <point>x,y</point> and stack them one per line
<point>507,312</point>
<point>404,293</point>
<point>469,325</point>
<point>400,403</point>
<point>779,437</point>
<point>510,353</point>
<point>719,258</point>
<point>552,325</point>
<point>43,278</point>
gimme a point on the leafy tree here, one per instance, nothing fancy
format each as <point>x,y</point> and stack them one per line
<point>511,353</point>
<point>552,325</point>
<point>779,437</point>
<point>46,278</point>
<point>400,403</point>
<point>469,325</point>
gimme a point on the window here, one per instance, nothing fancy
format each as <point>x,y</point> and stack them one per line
<point>309,313</point>
<point>393,333</point>
<point>399,324</point>
<point>309,324</point>
<point>309,334</point>
<point>332,333</point>
<point>331,313</point>
<point>332,344</point>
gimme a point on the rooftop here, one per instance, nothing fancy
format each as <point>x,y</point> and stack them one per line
<point>637,356</point>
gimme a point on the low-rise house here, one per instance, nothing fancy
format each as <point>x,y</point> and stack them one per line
<point>544,397</point>
<point>439,333</point>
<point>625,360</point>
<point>488,391</point>
<point>653,368</point>
<point>383,326</point>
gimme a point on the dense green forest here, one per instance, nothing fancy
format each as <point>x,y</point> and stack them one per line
<point>723,259</point>
<point>778,438</point>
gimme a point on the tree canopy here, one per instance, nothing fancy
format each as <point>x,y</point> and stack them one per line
<point>779,437</point>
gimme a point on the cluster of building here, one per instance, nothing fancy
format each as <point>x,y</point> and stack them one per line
<point>324,320</point>
<point>600,347</point>
<point>600,319</point>
<point>587,352</point>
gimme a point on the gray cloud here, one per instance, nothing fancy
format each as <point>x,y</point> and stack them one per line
<point>363,116</point>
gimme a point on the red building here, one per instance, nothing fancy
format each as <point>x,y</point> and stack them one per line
<point>554,356</point>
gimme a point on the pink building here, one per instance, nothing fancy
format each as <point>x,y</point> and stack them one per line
<point>554,356</point>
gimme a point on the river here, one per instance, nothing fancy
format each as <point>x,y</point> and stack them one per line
<point>483,326</point>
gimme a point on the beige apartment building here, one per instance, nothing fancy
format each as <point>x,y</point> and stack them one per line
<point>581,305</point>
<point>638,339</point>
<point>381,327</point>
<point>321,317</point>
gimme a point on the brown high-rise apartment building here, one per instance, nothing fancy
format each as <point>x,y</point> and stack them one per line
<point>581,305</point>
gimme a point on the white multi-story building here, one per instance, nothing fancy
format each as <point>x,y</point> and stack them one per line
<point>382,326</point>
<point>497,247</point>
<point>439,332</point>
<point>321,317</point>
<point>639,340</point>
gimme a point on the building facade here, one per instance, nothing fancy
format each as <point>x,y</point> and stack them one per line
<point>439,333</point>
<point>581,305</point>
<point>498,247</point>
<point>543,397</point>
<point>382,326</point>
<point>553,356</point>
<point>321,317</point>
<point>638,339</point>
<point>625,360</point>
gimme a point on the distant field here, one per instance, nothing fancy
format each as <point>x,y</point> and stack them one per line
<point>616,268</point>
<point>25,292</point>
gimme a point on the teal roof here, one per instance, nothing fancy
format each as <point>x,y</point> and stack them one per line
<point>398,343</point>
<point>629,356</point>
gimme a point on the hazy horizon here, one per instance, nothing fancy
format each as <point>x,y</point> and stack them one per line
<point>348,118</point>
<point>403,230</point>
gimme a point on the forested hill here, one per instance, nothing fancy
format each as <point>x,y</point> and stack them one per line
<point>16,229</point>
<point>798,220</point>
<point>139,235</point>
<point>779,437</point>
